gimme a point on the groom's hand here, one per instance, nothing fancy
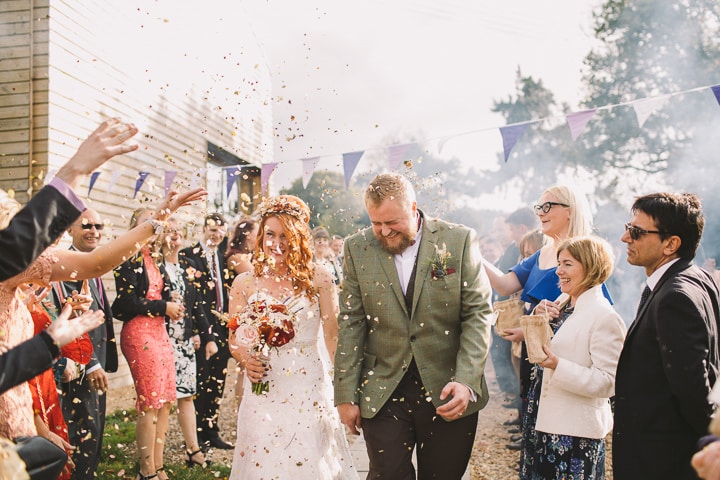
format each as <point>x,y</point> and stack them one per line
<point>350,417</point>
<point>455,408</point>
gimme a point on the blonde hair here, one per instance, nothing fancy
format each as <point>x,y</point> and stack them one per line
<point>390,185</point>
<point>594,254</point>
<point>580,215</point>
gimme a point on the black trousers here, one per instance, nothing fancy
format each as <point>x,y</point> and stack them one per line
<point>210,388</point>
<point>84,412</point>
<point>408,420</point>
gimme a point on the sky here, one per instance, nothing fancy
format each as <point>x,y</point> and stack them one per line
<point>352,76</point>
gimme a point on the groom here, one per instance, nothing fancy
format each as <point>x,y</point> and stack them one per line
<point>414,331</point>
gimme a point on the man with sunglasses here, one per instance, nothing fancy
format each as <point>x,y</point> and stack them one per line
<point>84,399</point>
<point>670,357</point>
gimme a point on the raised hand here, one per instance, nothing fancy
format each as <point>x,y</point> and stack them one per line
<point>63,330</point>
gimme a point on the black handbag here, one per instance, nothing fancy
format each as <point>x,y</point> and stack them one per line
<point>44,460</point>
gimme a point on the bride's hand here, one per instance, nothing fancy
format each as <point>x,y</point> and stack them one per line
<point>255,369</point>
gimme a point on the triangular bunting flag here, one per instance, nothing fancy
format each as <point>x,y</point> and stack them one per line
<point>267,170</point>
<point>139,182</point>
<point>350,162</point>
<point>93,179</point>
<point>716,91</point>
<point>578,120</point>
<point>308,168</point>
<point>232,173</point>
<point>169,177</point>
<point>396,154</point>
<point>441,144</point>
<point>647,106</point>
<point>510,135</point>
<point>113,179</point>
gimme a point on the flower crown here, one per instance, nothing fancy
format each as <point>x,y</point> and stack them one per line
<point>287,204</point>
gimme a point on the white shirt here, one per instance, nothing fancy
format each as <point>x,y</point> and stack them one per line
<point>405,261</point>
<point>654,278</point>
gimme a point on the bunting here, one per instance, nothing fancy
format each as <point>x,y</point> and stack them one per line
<point>510,135</point>
<point>93,179</point>
<point>350,162</point>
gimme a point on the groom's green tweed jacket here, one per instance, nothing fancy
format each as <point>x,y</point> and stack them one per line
<point>448,333</point>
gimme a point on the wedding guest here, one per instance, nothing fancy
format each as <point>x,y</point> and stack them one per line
<point>563,213</point>
<point>49,213</point>
<point>62,265</point>
<point>239,260</point>
<point>142,303</point>
<point>670,359</point>
<point>578,375</point>
<point>414,337</point>
<point>209,262</point>
<point>184,337</point>
<point>336,245</point>
<point>322,254</point>
<point>84,398</point>
<point>290,429</point>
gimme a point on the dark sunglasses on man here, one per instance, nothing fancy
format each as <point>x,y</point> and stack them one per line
<point>637,232</point>
<point>88,226</point>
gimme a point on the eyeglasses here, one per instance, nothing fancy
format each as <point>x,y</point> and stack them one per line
<point>637,232</point>
<point>88,226</point>
<point>545,207</point>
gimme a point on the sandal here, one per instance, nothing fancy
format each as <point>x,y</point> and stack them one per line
<point>190,462</point>
<point>148,477</point>
<point>161,470</point>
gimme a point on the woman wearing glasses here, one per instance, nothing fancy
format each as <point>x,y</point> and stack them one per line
<point>563,213</point>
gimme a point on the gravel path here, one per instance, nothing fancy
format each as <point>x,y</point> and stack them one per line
<point>491,460</point>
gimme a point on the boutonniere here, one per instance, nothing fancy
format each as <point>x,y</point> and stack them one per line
<point>439,264</point>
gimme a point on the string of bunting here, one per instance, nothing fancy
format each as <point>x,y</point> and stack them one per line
<point>510,134</point>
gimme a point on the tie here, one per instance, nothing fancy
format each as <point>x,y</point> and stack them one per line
<point>218,283</point>
<point>643,299</point>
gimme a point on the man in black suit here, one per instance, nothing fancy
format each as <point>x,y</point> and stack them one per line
<point>51,211</point>
<point>207,257</point>
<point>84,399</point>
<point>670,358</point>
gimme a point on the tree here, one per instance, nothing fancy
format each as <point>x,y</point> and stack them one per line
<point>332,206</point>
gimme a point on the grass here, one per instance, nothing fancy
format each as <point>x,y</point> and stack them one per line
<point>119,460</point>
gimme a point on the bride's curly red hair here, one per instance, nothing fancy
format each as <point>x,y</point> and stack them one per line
<point>293,215</point>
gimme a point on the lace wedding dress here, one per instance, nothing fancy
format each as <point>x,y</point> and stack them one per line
<point>293,431</point>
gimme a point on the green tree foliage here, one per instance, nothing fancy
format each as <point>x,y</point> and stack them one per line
<point>340,210</point>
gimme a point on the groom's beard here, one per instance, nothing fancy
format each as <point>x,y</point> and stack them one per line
<point>401,242</point>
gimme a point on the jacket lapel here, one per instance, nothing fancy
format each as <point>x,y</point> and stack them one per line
<point>425,254</point>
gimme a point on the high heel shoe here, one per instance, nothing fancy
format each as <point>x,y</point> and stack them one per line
<point>148,477</point>
<point>191,462</point>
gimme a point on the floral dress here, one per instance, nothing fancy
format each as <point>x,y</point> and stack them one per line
<point>184,350</point>
<point>555,456</point>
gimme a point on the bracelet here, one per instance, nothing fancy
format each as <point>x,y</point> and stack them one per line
<point>157,225</point>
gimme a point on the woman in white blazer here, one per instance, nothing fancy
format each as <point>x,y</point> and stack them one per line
<point>578,376</point>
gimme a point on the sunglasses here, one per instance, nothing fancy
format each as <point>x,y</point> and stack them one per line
<point>88,226</point>
<point>545,207</point>
<point>637,232</point>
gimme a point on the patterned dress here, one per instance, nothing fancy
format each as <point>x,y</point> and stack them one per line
<point>185,364</point>
<point>146,347</point>
<point>554,456</point>
<point>16,326</point>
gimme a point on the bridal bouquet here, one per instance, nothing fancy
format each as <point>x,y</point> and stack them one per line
<point>260,326</point>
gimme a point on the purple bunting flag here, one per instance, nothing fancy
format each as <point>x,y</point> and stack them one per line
<point>169,177</point>
<point>350,162</point>
<point>716,91</point>
<point>267,170</point>
<point>139,182</point>
<point>232,173</point>
<point>396,154</point>
<point>510,135</point>
<point>578,120</point>
<point>93,179</point>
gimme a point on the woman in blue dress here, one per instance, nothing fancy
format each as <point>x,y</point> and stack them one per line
<point>563,213</point>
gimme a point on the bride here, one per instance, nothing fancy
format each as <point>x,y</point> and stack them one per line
<point>287,425</point>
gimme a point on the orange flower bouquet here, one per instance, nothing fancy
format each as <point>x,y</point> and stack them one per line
<point>260,327</point>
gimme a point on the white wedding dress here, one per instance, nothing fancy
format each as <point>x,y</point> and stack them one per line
<point>293,431</point>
